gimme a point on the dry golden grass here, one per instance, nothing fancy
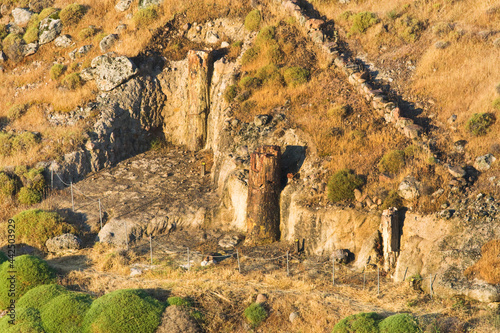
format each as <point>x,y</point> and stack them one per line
<point>488,267</point>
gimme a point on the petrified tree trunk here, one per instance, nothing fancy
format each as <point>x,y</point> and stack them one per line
<point>199,67</point>
<point>263,205</point>
<point>391,236</point>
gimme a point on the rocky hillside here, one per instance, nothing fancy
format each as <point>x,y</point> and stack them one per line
<point>355,127</point>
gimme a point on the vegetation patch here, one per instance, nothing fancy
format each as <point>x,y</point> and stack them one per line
<point>250,55</point>
<point>249,82</point>
<point>252,20</point>
<point>392,200</point>
<point>56,71</point>
<point>145,16</point>
<point>360,22</point>
<point>39,296</point>
<point>72,81</point>
<point>488,267</point>
<point>30,272</point>
<point>295,76</point>
<point>359,323</point>
<point>479,123</point>
<point>255,314</point>
<point>342,184</point>
<point>3,31</point>
<point>399,323</point>
<point>180,301</point>
<point>230,93</point>
<point>72,14</point>
<point>16,111</point>
<point>3,257</point>
<point>392,162</point>
<point>65,312</point>
<point>8,185</point>
<point>112,312</point>
<point>87,33</point>
<point>36,226</point>
<point>27,320</point>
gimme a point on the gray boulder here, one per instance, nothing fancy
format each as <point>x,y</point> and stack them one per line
<point>50,28</point>
<point>457,171</point>
<point>409,188</point>
<point>123,5</point>
<point>21,16</point>
<point>148,3</point>
<point>112,71</point>
<point>63,41</point>
<point>108,42</point>
<point>63,242</point>
<point>340,256</point>
<point>30,49</point>
<point>484,162</point>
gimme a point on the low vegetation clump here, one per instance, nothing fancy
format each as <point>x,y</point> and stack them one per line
<point>33,182</point>
<point>295,76</point>
<point>255,314</point>
<point>360,22</point>
<point>3,31</point>
<point>145,16</point>
<point>252,20</point>
<point>342,184</point>
<point>56,71</point>
<point>392,162</point>
<point>392,200</point>
<point>72,14</point>
<point>479,123</point>
<point>37,297</point>
<point>112,312</point>
<point>87,33</point>
<point>234,50</point>
<point>487,267</point>
<point>266,34</point>
<point>72,81</point>
<point>360,323</point>
<point>179,301</point>
<point>409,28</point>
<point>28,196</point>
<point>30,272</point>
<point>250,55</point>
<point>270,74</point>
<point>249,82</point>
<point>32,31</point>
<point>10,143</point>
<point>27,320</point>
<point>230,93</point>
<point>399,323</point>
<point>13,46</point>
<point>8,185</point>
<point>65,312</point>
<point>496,103</point>
<point>16,111</point>
<point>36,226</point>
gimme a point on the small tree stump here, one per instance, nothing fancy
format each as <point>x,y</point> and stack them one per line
<point>263,205</point>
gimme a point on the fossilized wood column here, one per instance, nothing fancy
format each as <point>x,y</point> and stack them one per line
<point>263,205</point>
<point>391,236</point>
<point>198,101</point>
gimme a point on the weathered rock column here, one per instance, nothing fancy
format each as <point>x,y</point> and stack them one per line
<point>199,72</point>
<point>263,205</point>
<point>391,236</point>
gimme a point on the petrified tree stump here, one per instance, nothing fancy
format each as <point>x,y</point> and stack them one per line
<point>199,64</point>
<point>263,205</point>
<point>391,236</point>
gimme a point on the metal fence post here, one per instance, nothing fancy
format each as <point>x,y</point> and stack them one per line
<point>238,258</point>
<point>287,267</point>
<point>378,280</point>
<point>100,213</point>
<point>72,200</point>
<point>151,249</point>
<point>189,260</point>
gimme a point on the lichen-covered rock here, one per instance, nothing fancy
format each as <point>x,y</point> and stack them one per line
<point>148,3</point>
<point>63,242</point>
<point>30,49</point>
<point>63,41</point>
<point>123,5</point>
<point>408,189</point>
<point>484,162</point>
<point>457,171</point>
<point>112,71</point>
<point>108,42</point>
<point>49,29</point>
<point>21,16</point>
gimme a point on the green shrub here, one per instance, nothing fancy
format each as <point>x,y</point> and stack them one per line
<point>52,12</point>
<point>38,5</point>
<point>72,81</point>
<point>13,46</point>
<point>249,82</point>
<point>27,321</point>
<point>65,312</point>
<point>399,323</point>
<point>113,313</point>
<point>266,34</point>
<point>409,28</point>
<point>35,226</point>
<point>24,141</point>
<point>30,272</point>
<point>56,71</point>
<point>16,111</point>
<point>248,105</point>
<point>145,16</point>
<point>255,314</point>
<point>392,161</point>
<point>392,200</point>
<point>3,31</point>
<point>412,151</point>
<point>31,178</point>
<point>250,55</point>
<point>342,184</point>
<point>5,144</point>
<point>339,112</point>
<point>496,103</point>
<point>31,34</point>
<point>358,323</point>
<point>295,76</point>
<point>479,123</point>
<point>28,196</point>
<point>270,74</point>
<point>87,33</point>
<point>72,14</point>
<point>362,21</point>
<point>8,185</point>
<point>37,297</point>
<point>180,301</point>
<point>274,54</point>
<point>230,93</point>
<point>252,20</point>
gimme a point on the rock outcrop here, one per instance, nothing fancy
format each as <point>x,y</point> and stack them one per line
<point>49,28</point>
<point>110,72</point>
<point>63,243</point>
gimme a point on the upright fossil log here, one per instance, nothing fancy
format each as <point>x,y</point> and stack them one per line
<point>391,236</point>
<point>263,205</point>
<point>199,67</point>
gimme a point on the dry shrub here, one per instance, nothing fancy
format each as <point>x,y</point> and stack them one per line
<point>488,267</point>
<point>107,258</point>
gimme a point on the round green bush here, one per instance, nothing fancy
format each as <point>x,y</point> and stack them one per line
<point>16,111</point>
<point>35,226</point>
<point>72,14</point>
<point>87,33</point>
<point>230,93</point>
<point>252,20</point>
<point>126,310</point>
<point>399,323</point>
<point>72,81</point>
<point>295,76</point>
<point>392,161</point>
<point>270,74</point>
<point>255,314</point>
<point>479,123</point>
<point>56,71</point>
<point>250,55</point>
<point>30,272</point>
<point>266,34</point>
<point>362,21</point>
<point>13,46</point>
<point>27,320</point>
<point>65,313</point>
<point>39,296</point>
<point>249,82</point>
<point>392,200</point>
<point>8,185</point>
<point>358,323</point>
<point>145,16</point>
<point>32,31</point>
<point>342,184</point>
<point>28,196</point>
